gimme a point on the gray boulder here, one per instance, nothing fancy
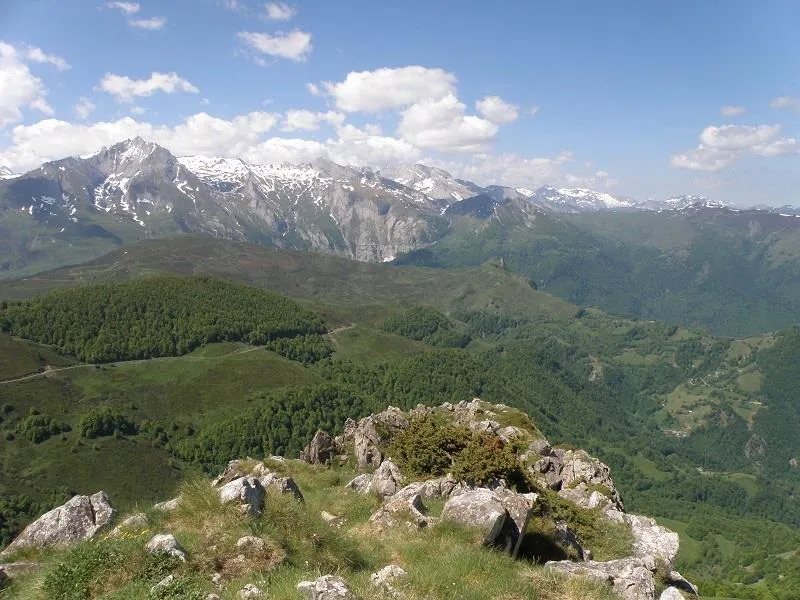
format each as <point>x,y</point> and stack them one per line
<point>367,440</point>
<point>282,485</point>
<point>320,450</point>
<point>501,515</point>
<point>135,522</point>
<point>246,491</point>
<point>443,487</point>
<point>385,579</point>
<point>671,594</point>
<point>165,543</point>
<point>397,512</point>
<point>631,578</point>
<point>327,587</point>
<point>387,479</point>
<point>164,583</point>
<point>79,519</point>
<point>361,483</point>
<point>651,539</point>
<point>168,505</point>
<point>251,592</point>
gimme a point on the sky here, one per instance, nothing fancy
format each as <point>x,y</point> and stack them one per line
<point>641,99</point>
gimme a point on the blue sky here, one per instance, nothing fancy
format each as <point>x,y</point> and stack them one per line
<point>624,96</point>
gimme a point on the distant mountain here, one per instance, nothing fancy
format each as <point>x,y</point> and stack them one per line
<point>6,173</point>
<point>434,183</point>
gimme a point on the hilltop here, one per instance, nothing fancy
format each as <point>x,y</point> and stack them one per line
<point>474,484</point>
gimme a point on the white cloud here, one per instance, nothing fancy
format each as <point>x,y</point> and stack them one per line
<point>280,11</point>
<point>511,169</point>
<point>84,107</point>
<point>19,88</point>
<point>138,110</point>
<point>731,111</point>
<point>37,55</point>
<point>125,89</point>
<point>295,45</point>
<point>129,8</point>
<point>721,146</point>
<point>373,91</point>
<point>497,110</point>
<point>533,110</point>
<point>202,133</point>
<point>313,89</point>
<point>151,24</point>
<point>442,125</point>
<point>737,137</point>
<point>306,120</point>
<point>791,102</point>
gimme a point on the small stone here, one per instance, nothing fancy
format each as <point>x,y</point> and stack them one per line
<point>168,505</point>
<point>251,592</point>
<point>250,543</point>
<point>327,587</point>
<point>162,584</point>
<point>331,520</point>
<point>167,544</point>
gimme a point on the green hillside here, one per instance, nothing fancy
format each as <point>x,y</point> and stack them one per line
<point>686,420</point>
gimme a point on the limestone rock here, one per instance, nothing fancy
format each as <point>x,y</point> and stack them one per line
<point>18,568</point>
<point>162,584</point>
<point>566,538</point>
<point>320,450</point>
<point>501,515</point>
<point>168,505</point>
<point>251,592</point>
<point>671,594</point>
<point>443,487</point>
<point>677,580</point>
<point>282,485</point>
<point>651,539</point>
<point>387,479</point>
<point>79,519</point>
<point>385,579</point>
<point>250,544</point>
<point>361,483</point>
<point>367,440</point>
<point>397,512</point>
<point>165,543</point>
<point>332,520</point>
<point>247,491</point>
<point>631,577</point>
<point>135,522</point>
<point>327,587</point>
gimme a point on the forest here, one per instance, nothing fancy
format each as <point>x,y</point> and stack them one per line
<point>155,317</point>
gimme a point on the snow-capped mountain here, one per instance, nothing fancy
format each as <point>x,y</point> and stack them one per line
<point>6,173</point>
<point>434,183</point>
<point>577,200</point>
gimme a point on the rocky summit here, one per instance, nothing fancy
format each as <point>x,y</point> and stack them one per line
<point>360,515</point>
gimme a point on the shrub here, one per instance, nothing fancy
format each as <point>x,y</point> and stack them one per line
<point>105,422</point>
<point>38,428</point>
<point>485,459</point>
<point>427,447</point>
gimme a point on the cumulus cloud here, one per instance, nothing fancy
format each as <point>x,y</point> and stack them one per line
<point>84,107</point>
<point>306,120</point>
<point>721,146</point>
<point>295,45</point>
<point>443,125</point>
<point>374,91</point>
<point>125,89</point>
<point>497,110</point>
<point>731,111</point>
<point>19,88</point>
<point>313,89</point>
<point>151,24</point>
<point>128,8</point>
<point>37,55</point>
<point>511,169</point>
<point>280,11</point>
<point>202,133</point>
<point>791,102</point>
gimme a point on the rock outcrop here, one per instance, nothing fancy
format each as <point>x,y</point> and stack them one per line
<point>385,481</point>
<point>631,577</point>
<point>165,543</point>
<point>396,512</point>
<point>246,491</point>
<point>501,515</point>
<point>79,519</point>
<point>320,450</point>
<point>327,587</point>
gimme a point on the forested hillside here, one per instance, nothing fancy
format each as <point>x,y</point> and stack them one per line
<point>686,420</point>
<point>155,317</point>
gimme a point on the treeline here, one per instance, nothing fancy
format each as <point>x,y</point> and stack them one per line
<point>427,325</point>
<point>162,316</point>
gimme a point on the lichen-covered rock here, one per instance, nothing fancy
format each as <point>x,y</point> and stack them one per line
<point>651,539</point>
<point>671,594</point>
<point>168,505</point>
<point>631,578</point>
<point>387,479</point>
<point>327,587</point>
<point>164,583</point>
<point>79,519</point>
<point>320,450</point>
<point>399,512</point>
<point>361,483</point>
<point>246,491</point>
<point>443,487</point>
<point>501,515</point>
<point>165,543</point>
<point>251,592</point>
<point>386,578</point>
<point>250,544</point>
<point>282,485</point>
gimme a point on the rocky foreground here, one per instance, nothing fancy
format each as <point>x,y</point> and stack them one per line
<point>201,547</point>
